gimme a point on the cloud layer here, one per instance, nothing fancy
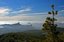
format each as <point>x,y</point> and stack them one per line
<point>6,14</point>
<point>20,15</point>
<point>4,11</point>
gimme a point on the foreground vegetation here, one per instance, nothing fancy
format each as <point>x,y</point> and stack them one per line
<point>29,37</point>
<point>20,37</point>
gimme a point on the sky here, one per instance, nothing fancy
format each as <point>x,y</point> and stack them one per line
<point>34,11</point>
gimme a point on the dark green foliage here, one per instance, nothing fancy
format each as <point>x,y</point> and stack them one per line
<point>30,36</point>
<point>21,37</point>
<point>50,26</point>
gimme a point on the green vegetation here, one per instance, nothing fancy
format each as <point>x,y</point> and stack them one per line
<point>21,37</point>
<point>29,37</point>
<point>51,28</point>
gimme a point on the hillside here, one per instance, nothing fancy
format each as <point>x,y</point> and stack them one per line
<point>22,36</point>
<point>27,36</point>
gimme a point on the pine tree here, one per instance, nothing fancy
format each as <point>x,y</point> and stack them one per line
<point>50,26</point>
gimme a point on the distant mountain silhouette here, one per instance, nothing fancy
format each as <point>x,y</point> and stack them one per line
<point>60,25</point>
<point>17,27</point>
<point>6,28</point>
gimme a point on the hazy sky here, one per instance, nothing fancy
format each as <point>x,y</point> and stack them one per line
<point>29,10</point>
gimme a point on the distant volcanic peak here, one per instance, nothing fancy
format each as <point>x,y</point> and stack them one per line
<point>16,24</point>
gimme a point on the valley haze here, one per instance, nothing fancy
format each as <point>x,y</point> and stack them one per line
<point>18,27</point>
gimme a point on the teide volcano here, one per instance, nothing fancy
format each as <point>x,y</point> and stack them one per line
<point>6,28</point>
